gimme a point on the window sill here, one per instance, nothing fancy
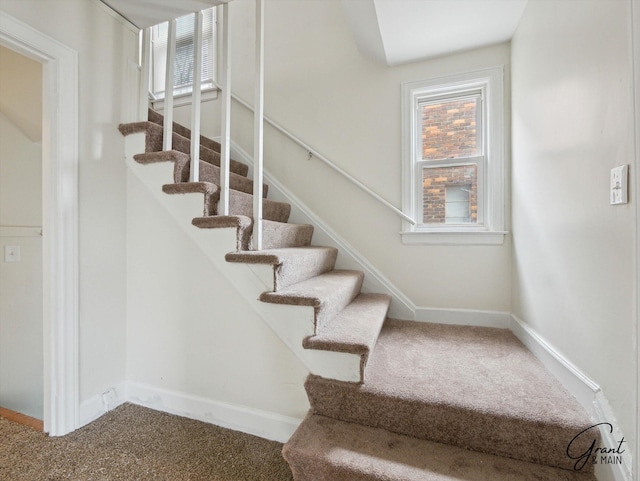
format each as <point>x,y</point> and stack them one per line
<point>185,99</point>
<point>479,238</point>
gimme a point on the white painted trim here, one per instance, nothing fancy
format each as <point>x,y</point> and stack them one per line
<point>584,389</point>
<point>264,424</point>
<point>464,317</point>
<point>60,218</point>
<point>453,238</point>
<point>576,382</point>
<point>602,413</point>
<point>491,81</point>
<point>93,408</point>
<point>401,306</point>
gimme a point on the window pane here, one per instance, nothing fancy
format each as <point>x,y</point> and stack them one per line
<point>449,129</point>
<point>183,64</point>
<point>450,195</point>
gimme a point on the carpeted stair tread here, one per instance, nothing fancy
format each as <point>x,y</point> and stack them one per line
<point>211,193</point>
<point>211,173</point>
<point>355,329</point>
<point>325,449</point>
<point>153,143</point>
<point>158,118</point>
<point>328,293</point>
<point>208,172</point>
<point>161,156</point>
<point>241,203</point>
<point>290,265</point>
<point>274,234</point>
<point>476,388</point>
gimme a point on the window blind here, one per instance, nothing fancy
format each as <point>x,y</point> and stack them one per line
<point>183,64</point>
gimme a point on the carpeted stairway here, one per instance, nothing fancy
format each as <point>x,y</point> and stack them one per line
<point>434,402</point>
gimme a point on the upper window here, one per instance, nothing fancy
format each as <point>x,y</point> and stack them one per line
<point>453,183</point>
<point>183,64</point>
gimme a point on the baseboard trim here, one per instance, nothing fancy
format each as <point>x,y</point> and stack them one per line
<point>585,390</point>
<point>464,317</point>
<point>94,407</point>
<point>574,380</point>
<point>268,425</point>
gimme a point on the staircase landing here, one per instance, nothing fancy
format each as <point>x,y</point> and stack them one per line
<point>471,387</point>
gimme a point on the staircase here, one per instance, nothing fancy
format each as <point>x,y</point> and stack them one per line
<point>390,399</point>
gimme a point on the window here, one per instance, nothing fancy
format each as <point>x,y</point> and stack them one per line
<point>183,64</point>
<point>453,173</point>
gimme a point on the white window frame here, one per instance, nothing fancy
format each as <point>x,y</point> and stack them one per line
<point>491,172</point>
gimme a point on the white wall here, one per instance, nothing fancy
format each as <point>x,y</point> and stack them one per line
<point>104,47</point>
<point>21,328</point>
<point>346,106</point>
<point>190,332</point>
<point>21,92</point>
<point>573,254</point>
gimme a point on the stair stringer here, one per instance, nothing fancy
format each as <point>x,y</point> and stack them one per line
<point>290,323</point>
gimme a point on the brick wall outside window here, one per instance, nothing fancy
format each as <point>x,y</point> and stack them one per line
<point>435,182</point>
<point>448,131</point>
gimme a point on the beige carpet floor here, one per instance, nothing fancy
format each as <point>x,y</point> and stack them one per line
<point>133,443</point>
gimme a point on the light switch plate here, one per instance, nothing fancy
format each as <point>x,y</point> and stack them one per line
<point>618,191</point>
<point>11,253</point>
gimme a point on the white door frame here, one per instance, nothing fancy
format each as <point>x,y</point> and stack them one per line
<point>60,218</point>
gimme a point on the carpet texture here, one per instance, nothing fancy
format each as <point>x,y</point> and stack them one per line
<point>472,387</point>
<point>324,449</point>
<point>132,443</point>
<point>433,403</point>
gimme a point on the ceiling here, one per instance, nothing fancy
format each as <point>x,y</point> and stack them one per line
<point>390,31</point>
<point>401,31</point>
<point>145,13</point>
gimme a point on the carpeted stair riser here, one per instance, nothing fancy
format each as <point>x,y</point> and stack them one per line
<point>275,235</point>
<point>211,193</point>
<point>325,449</point>
<point>290,266</point>
<point>328,294</point>
<point>158,118</point>
<point>208,172</point>
<point>211,173</point>
<point>240,203</point>
<point>153,143</point>
<point>409,393</point>
<point>354,330</point>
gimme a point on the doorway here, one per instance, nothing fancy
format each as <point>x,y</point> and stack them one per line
<point>21,288</point>
<point>59,192</point>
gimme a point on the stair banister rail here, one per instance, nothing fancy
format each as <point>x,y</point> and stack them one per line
<point>314,153</point>
<point>225,113</point>
<point>167,138</point>
<point>196,96</point>
<point>258,137</point>
<point>259,118</point>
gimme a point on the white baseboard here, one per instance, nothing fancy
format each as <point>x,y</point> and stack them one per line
<point>464,317</point>
<point>268,425</point>
<point>94,407</point>
<point>585,390</point>
<point>574,380</point>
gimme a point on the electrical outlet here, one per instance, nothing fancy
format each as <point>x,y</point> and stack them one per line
<point>11,253</point>
<point>619,176</point>
<point>109,398</point>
